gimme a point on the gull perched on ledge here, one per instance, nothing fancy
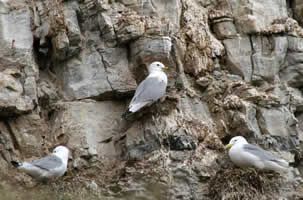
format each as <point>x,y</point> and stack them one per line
<point>244,155</point>
<point>151,89</point>
<point>49,167</point>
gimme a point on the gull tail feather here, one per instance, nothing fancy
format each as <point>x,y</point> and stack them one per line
<point>283,163</point>
<point>137,106</point>
<point>16,164</point>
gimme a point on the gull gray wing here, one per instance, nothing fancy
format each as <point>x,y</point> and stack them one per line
<point>49,162</point>
<point>150,89</point>
<point>260,153</point>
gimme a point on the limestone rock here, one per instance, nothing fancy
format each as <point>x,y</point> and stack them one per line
<point>106,28</point>
<point>297,6</point>
<point>147,50</point>
<point>198,55</point>
<point>77,122</point>
<point>245,122</point>
<point>225,29</point>
<point>169,11</point>
<point>30,89</point>
<point>118,73</point>
<point>129,27</point>
<point>275,122</point>
<point>238,51</point>
<point>97,75</point>
<point>60,44</point>
<point>31,133</point>
<point>295,44</point>
<point>12,101</point>
<point>73,30</point>
<point>291,72</point>
<point>255,15</point>
<point>293,75</point>
<point>85,77</point>
<point>140,141</point>
<point>269,54</point>
<point>15,26</point>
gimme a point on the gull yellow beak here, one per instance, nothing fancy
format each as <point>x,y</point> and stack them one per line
<point>165,68</point>
<point>228,146</point>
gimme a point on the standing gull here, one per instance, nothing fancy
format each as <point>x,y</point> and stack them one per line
<point>244,155</point>
<point>151,89</point>
<point>51,166</point>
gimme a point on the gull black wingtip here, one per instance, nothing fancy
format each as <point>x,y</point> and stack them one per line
<point>126,114</point>
<point>15,163</point>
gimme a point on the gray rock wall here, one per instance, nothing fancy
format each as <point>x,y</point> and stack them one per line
<point>68,69</point>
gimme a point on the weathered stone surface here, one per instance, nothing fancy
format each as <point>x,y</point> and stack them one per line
<point>73,30</point>
<point>106,28</point>
<point>293,75</point>
<point>147,50</point>
<point>120,26</point>
<point>275,122</point>
<point>268,56</point>
<point>255,15</point>
<point>7,144</point>
<point>245,122</point>
<point>31,134</point>
<point>291,72</point>
<point>129,27</point>
<point>30,89</point>
<point>60,44</point>
<point>170,10</point>
<point>295,44</point>
<point>12,100</point>
<point>238,51</point>
<point>84,77</point>
<point>118,73</point>
<point>77,122</point>
<point>293,58</point>
<point>15,26</point>
<point>199,47</point>
<point>97,75</point>
<point>140,141</point>
<point>297,7</point>
<point>225,29</point>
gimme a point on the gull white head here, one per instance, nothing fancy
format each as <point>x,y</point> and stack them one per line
<point>236,140</point>
<point>61,152</point>
<point>156,66</point>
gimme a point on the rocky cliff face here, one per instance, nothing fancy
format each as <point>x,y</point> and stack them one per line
<point>70,67</point>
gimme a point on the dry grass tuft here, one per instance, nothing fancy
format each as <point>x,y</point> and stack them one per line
<point>244,184</point>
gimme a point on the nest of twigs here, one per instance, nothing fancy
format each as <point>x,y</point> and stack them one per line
<point>244,184</point>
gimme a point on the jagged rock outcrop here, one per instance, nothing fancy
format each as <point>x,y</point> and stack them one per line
<point>69,68</point>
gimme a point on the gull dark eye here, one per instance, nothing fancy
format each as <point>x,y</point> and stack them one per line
<point>158,65</point>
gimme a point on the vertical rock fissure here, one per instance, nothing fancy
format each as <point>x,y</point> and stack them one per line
<point>252,57</point>
<point>106,71</point>
<point>179,65</point>
<point>12,135</point>
<point>182,14</point>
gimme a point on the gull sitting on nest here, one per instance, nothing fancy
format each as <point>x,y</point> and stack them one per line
<point>244,155</point>
<point>49,167</point>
